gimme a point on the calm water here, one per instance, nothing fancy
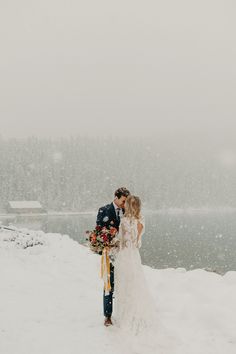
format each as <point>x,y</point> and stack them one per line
<point>206,240</point>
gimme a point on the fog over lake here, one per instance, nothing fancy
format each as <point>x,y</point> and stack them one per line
<point>186,239</point>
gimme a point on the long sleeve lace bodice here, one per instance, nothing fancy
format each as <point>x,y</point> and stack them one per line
<point>128,233</point>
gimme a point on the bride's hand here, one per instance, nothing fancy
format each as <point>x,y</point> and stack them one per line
<point>138,243</point>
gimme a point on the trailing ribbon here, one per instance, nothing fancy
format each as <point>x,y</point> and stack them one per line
<point>105,270</point>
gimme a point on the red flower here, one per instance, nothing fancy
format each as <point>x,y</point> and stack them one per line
<point>105,238</point>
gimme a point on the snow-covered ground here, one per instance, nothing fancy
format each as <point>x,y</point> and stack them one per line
<point>51,303</point>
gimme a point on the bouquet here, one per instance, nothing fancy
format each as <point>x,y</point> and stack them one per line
<point>101,238</point>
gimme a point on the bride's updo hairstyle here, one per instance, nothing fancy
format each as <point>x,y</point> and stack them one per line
<point>132,207</point>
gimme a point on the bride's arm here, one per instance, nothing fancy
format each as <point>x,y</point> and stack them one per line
<point>140,230</point>
<point>139,239</point>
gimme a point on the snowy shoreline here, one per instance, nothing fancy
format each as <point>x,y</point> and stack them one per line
<point>50,213</point>
<point>173,211</point>
<point>51,302</point>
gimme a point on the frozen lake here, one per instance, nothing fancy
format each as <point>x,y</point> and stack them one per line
<point>189,240</point>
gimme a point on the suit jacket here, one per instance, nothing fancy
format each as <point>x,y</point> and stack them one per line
<point>107,216</point>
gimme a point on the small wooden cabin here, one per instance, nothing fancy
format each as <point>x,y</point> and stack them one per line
<point>25,207</point>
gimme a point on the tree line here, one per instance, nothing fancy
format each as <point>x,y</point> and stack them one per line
<point>81,173</point>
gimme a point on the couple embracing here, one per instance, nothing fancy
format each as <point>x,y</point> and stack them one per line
<point>133,303</point>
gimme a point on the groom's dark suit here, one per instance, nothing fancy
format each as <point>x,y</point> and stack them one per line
<point>107,217</point>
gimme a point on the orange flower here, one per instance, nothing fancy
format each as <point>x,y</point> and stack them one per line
<point>113,231</point>
<point>93,237</point>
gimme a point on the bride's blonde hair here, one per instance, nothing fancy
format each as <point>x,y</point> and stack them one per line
<point>132,207</point>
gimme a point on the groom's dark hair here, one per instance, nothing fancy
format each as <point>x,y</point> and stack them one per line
<point>122,192</point>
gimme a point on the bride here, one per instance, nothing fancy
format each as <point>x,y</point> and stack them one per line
<point>134,308</point>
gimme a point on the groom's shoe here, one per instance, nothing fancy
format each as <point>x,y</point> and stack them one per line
<point>108,321</point>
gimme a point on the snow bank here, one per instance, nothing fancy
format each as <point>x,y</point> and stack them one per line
<point>51,303</point>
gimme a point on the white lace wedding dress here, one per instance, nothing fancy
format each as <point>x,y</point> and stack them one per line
<point>134,306</point>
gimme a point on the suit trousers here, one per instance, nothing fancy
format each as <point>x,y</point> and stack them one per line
<point>108,299</point>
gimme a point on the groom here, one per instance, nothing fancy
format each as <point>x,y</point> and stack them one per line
<point>109,215</point>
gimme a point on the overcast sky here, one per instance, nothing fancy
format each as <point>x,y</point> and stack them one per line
<point>124,67</point>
